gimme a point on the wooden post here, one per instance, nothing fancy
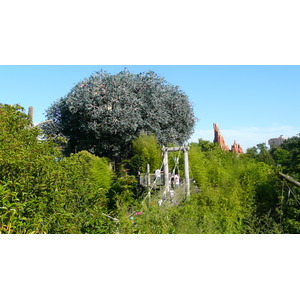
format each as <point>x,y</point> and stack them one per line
<point>148,182</point>
<point>30,113</point>
<point>186,171</point>
<point>186,167</point>
<point>166,168</point>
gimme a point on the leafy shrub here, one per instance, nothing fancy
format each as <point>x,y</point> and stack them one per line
<point>232,186</point>
<point>40,190</point>
<point>30,178</point>
<point>145,150</point>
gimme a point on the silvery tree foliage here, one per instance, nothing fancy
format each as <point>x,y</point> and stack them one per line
<point>103,113</point>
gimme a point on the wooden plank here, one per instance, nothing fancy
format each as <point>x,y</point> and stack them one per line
<point>173,149</point>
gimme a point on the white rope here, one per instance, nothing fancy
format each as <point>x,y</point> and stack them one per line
<point>115,219</point>
<point>176,165</point>
<point>289,193</point>
<point>153,184</point>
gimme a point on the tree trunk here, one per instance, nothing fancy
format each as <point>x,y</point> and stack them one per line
<point>290,179</point>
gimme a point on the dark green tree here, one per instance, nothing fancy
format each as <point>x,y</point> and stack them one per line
<point>102,114</point>
<point>261,153</point>
<point>287,156</point>
<point>292,161</point>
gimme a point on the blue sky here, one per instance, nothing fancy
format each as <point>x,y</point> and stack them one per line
<point>250,103</point>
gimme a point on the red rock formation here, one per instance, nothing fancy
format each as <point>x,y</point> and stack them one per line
<point>237,148</point>
<point>219,139</point>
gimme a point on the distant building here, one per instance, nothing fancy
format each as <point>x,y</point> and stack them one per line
<point>275,142</point>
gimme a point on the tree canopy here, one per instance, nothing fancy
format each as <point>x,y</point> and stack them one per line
<point>104,113</point>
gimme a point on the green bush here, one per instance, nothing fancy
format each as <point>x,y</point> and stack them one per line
<point>232,186</point>
<point>40,190</point>
<point>145,150</point>
<point>30,178</point>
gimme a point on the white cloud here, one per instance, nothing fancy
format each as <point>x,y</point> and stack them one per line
<point>247,137</point>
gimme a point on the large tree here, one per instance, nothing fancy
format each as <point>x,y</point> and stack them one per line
<point>102,114</point>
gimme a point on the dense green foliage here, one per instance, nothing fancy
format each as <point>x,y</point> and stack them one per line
<point>261,154</point>
<point>102,114</point>
<point>42,191</point>
<point>287,158</point>
<point>234,191</point>
<point>145,151</point>
<point>284,158</point>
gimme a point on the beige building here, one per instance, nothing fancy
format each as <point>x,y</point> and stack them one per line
<point>275,142</point>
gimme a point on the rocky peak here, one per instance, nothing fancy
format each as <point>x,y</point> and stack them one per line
<point>219,139</point>
<point>237,148</point>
